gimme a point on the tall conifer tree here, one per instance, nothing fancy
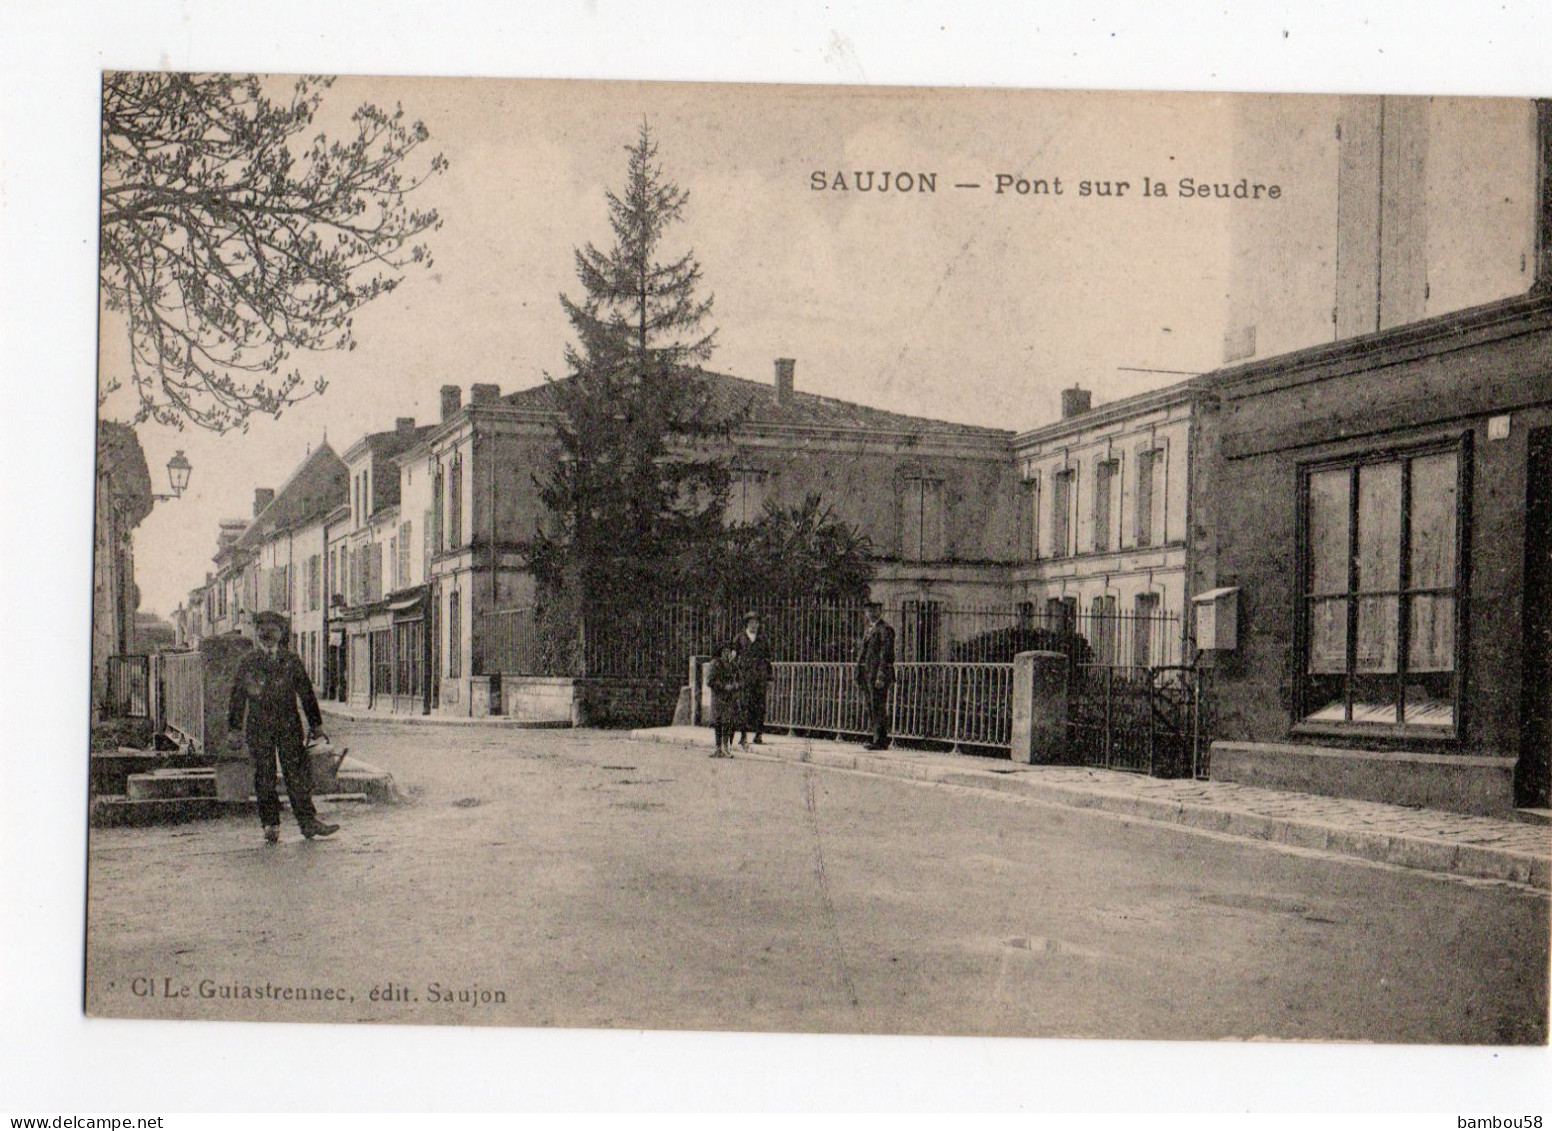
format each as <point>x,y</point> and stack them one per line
<point>636,491</point>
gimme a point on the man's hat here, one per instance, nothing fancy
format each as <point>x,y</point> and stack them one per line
<point>872,604</point>
<point>751,615</point>
<point>270,617</point>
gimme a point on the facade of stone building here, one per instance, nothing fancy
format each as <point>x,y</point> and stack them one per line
<point>1373,509</point>
<point>939,503</point>
<point>371,594</point>
<point>285,542</point>
<point>122,501</point>
<point>1106,537</point>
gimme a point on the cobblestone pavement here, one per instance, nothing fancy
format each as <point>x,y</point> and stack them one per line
<point>1428,839</point>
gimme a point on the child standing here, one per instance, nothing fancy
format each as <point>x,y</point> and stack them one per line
<point>725,681</point>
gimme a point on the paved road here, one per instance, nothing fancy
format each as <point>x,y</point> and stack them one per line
<point>578,879</point>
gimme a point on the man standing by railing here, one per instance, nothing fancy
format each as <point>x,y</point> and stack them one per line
<point>754,667</point>
<point>876,674</point>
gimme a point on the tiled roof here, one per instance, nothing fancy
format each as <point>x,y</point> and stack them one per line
<point>317,486</point>
<point>755,403</point>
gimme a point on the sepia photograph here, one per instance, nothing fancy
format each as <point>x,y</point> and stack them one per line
<point>601,558</point>
<point>806,559</point>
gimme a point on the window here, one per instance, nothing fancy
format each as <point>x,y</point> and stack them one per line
<point>374,571</point>
<point>1061,514</point>
<point>921,518</point>
<point>382,663</point>
<point>1102,630</point>
<point>455,503</point>
<point>404,554</point>
<point>280,589</point>
<point>1107,487</point>
<point>1061,614</point>
<point>314,583</point>
<point>1381,565</point>
<point>454,636</point>
<point>1148,462</point>
<point>393,563</point>
<point>1032,508</point>
<point>747,492</point>
<point>922,631</point>
<point>438,509</point>
<point>1145,635</point>
<point>409,657</point>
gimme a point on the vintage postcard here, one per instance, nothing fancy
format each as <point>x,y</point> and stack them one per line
<point>1012,563</point>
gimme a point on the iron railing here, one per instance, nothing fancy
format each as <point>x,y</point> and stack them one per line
<point>515,643</point>
<point>961,704</point>
<point>128,687</point>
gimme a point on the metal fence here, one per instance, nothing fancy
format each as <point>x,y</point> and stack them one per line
<point>515,643</point>
<point>183,695</point>
<point>962,704</point>
<point>658,639</point>
<point>128,687</point>
<point>1141,720</point>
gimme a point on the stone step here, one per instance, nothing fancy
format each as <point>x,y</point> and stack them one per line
<point>167,785</point>
<point>117,812</point>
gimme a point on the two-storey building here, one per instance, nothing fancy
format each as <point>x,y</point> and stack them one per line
<point>367,552</point>
<point>1107,504</point>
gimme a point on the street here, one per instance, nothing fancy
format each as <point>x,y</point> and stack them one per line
<point>579,879</point>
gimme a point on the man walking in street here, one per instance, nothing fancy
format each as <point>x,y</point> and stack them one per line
<point>754,665</point>
<point>269,683</point>
<point>876,674</point>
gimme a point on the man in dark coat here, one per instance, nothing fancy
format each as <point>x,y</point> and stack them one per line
<point>754,666</point>
<point>876,674</point>
<point>269,683</point>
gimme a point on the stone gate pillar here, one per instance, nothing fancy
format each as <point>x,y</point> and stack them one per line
<point>1039,707</point>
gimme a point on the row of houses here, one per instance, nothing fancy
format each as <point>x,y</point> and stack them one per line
<point>1352,536</point>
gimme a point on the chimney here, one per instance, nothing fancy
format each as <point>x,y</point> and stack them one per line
<point>452,401</point>
<point>784,368</point>
<point>404,425</point>
<point>262,497</point>
<point>484,394</point>
<point>1076,401</point>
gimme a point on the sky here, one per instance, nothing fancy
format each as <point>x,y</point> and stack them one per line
<point>963,304</point>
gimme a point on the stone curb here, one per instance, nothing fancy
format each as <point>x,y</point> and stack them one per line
<point>1426,854</point>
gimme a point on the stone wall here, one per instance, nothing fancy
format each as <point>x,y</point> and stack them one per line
<point>626,702</point>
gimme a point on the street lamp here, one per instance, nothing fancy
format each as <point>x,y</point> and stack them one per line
<point>178,469</point>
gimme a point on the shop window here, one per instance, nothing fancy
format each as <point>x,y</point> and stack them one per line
<point>454,636</point>
<point>1381,567</point>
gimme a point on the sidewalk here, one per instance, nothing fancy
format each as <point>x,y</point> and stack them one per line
<point>332,709</point>
<point>1426,839</point>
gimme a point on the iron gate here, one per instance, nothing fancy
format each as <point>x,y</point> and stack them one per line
<point>1140,720</point>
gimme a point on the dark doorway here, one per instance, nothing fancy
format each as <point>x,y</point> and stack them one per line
<point>1535,765</point>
